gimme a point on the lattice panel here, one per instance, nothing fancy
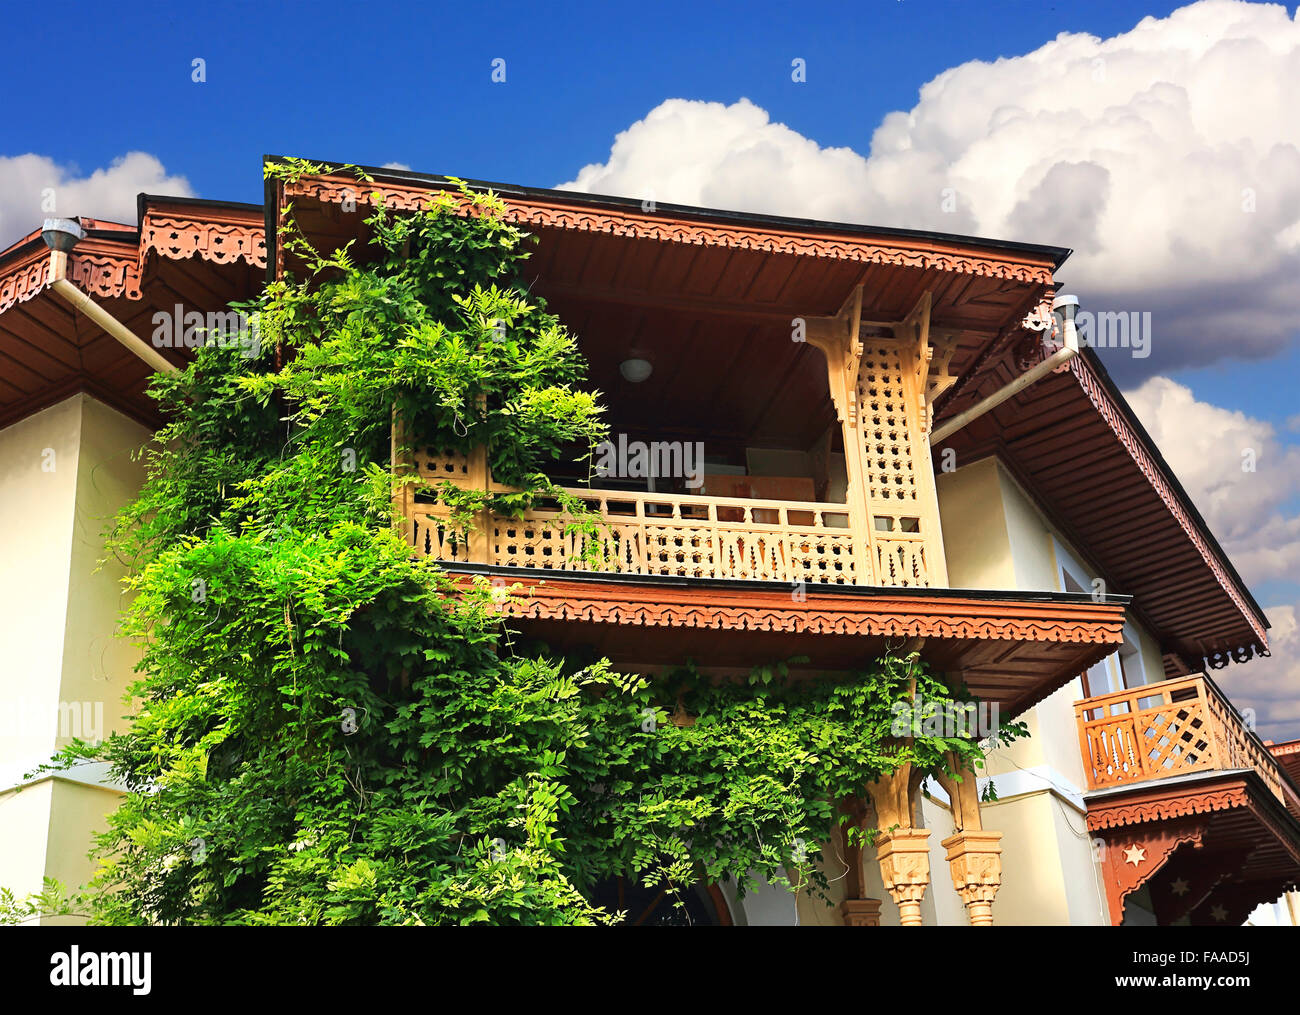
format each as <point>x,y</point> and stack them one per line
<point>821,559</point>
<point>901,563</point>
<point>532,544</point>
<point>1176,738</point>
<point>434,537</point>
<point>436,466</point>
<point>1152,744</point>
<point>888,421</point>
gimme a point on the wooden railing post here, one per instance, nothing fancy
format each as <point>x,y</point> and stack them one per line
<point>480,534</point>
<point>403,496</point>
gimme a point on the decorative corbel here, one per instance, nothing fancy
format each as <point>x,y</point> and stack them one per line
<point>837,337</point>
<point>902,850</point>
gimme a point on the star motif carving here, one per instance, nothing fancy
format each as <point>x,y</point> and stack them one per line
<point>1219,913</point>
<point>1180,887</point>
<point>1135,855</point>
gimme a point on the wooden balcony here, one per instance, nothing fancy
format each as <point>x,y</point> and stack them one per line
<point>681,535</point>
<point>1168,729</point>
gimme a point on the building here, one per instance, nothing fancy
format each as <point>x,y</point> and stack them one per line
<point>846,438</point>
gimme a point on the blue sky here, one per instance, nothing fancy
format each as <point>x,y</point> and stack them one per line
<point>1141,149</point>
<point>411,81</point>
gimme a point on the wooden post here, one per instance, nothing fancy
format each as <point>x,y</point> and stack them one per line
<point>480,534</point>
<point>837,338</point>
<point>403,496</point>
<point>904,852</point>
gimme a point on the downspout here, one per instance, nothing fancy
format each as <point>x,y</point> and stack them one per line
<point>1069,306</point>
<point>61,235</point>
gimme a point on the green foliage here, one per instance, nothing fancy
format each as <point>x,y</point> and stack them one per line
<point>52,900</point>
<point>330,731</point>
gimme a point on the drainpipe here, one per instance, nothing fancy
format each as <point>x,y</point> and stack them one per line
<point>61,235</point>
<point>1069,306</point>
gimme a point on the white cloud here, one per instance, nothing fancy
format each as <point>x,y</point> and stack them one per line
<point>29,183</point>
<point>1211,450</point>
<point>396,165</point>
<point>1271,687</point>
<point>1141,151</point>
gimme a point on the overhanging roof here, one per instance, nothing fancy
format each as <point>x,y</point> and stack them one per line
<point>198,254</point>
<point>1075,444</point>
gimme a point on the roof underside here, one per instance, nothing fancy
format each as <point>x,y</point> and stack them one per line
<point>200,257</point>
<point>1074,444</point>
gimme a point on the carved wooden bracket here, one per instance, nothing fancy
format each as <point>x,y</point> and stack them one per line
<point>1132,855</point>
<point>837,337</point>
<point>904,857</point>
<point>975,862</point>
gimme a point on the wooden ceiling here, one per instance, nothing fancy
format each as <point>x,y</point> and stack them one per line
<point>709,298</point>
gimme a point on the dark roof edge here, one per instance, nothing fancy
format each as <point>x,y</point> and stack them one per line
<point>142,201</point>
<point>1057,254</point>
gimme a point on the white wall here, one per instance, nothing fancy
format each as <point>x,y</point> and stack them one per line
<point>63,473</point>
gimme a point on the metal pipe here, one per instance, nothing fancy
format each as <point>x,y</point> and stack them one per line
<point>1067,352</point>
<point>61,235</point>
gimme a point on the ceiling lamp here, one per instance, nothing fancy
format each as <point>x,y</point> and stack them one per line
<point>635,370</point>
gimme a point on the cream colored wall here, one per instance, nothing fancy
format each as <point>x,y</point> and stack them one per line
<point>77,813</point>
<point>57,643</point>
<point>995,537</point>
<point>25,819</point>
<point>97,665</point>
<point>1033,880</point>
<point>976,542</point>
<point>38,482</point>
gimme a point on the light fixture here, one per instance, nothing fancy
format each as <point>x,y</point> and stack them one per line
<point>635,369</point>
<point>62,234</point>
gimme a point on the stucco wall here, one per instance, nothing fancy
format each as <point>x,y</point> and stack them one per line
<point>63,473</point>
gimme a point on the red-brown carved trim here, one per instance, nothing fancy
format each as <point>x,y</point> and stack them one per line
<point>109,268</point>
<point>878,614</point>
<point>1114,418</point>
<point>104,275</point>
<point>1171,805</point>
<point>219,242</point>
<point>20,284</point>
<point>556,214</point>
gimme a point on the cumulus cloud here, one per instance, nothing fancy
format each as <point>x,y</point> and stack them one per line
<point>34,187</point>
<point>1237,471</point>
<point>1168,157</point>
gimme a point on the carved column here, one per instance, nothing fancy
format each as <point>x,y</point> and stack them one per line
<point>860,912</point>
<point>975,862</point>
<point>902,851</point>
<point>904,857</point>
<point>974,855</point>
<point>856,910</point>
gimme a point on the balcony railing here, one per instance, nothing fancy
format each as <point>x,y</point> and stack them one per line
<point>678,535</point>
<point>1171,728</point>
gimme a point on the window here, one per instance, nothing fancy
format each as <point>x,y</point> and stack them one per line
<point>1122,669</point>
